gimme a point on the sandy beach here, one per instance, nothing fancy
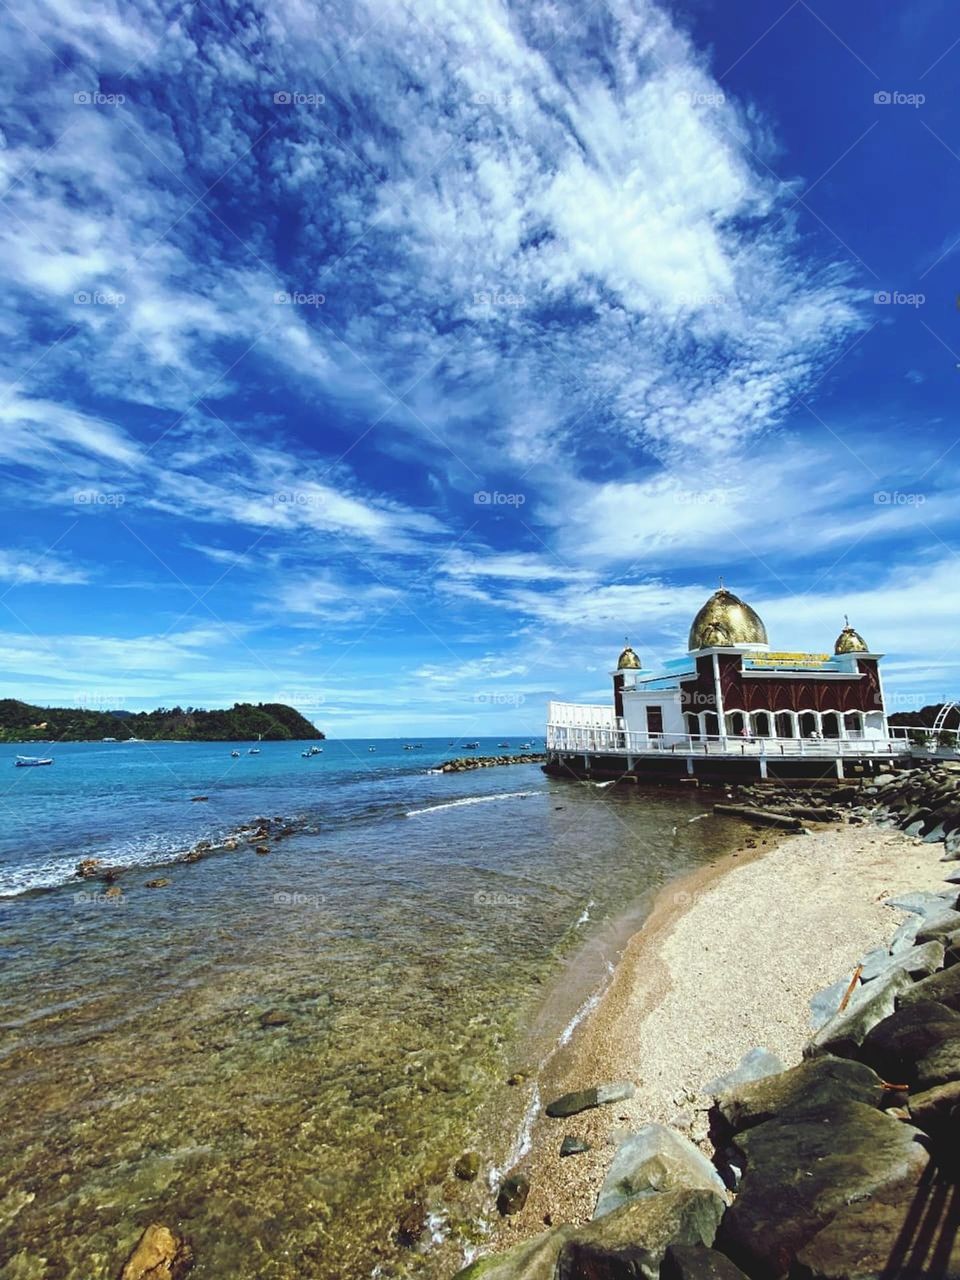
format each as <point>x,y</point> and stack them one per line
<point>727,962</point>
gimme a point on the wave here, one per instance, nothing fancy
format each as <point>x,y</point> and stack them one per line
<point>467,800</point>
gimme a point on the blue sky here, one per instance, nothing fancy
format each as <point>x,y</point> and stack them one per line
<point>397,360</point>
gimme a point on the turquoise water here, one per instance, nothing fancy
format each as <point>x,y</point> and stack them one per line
<point>282,1054</point>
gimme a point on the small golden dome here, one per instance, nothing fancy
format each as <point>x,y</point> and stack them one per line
<point>725,622</point>
<point>628,661</point>
<point>850,641</point>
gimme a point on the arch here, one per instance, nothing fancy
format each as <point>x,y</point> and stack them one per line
<point>853,724</point>
<point>711,724</point>
<point>762,724</point>
<point>693,724</point>
<point>736,723</point>
<point>784,723</point>
<point>807,723</point>
<point>832,724</point>
<point>944,714</point>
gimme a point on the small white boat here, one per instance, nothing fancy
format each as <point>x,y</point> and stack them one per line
<point>254,751</point>
<point>371,748</point>
<point>235,754</point>
<point>32,762</point>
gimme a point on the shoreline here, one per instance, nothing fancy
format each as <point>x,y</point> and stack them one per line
<point>725,962</point>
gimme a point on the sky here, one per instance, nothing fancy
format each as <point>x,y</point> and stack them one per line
<point>396,361</point>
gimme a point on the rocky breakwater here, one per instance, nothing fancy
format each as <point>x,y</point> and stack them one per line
<point>464,763</point>
<point>846,1166</point>
<point>922,800</point>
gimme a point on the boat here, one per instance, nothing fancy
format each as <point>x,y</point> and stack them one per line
<point>32,762</point>
<point>525,746</point>
<point>315,751</point>
<point>470,746</point>
<point>254,751</point>
<point>108,739</point>
<point>503,744</point>
<point>371,748</point>
<point>235,754</point>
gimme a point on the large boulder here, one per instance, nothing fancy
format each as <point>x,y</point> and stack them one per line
<point>814,1083</point>
<point>895,1046</point>
<point>868,1005</point>
<point>513,1193</point>
<point>570,1104</point>
<point>534,1259</point>
<point>917,962</point>
<point>638,1234</point>
<point>939,926</point>
<point>694,1262</point>
<point>651,1161</point>
<point>940,1065</point>
<point>933,1109</point>
<point>911,1235</point>
<point>805,1166</point>
<point>942,988</point>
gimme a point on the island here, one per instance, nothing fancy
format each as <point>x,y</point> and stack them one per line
<point>243,722</point>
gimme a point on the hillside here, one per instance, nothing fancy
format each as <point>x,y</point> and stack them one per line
<point>924,718</point>
<point>21,722</point>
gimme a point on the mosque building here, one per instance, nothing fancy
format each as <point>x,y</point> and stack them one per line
<point>732,705</point>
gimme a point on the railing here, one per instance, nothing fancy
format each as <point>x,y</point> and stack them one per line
<point>944,743</point>
<point>577,740</point>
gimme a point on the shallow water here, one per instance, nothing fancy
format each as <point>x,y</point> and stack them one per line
<point>408,936</point>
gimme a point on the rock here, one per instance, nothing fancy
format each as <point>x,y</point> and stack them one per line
<point>88,868</point>
<point>534,1259</point>
<point>894,1047</point>
<point>159,1255</point>
<point>513,1193</point>
<point>275,1018</point>
<point>937,927</point>
<point>920,903</point>
<point>572,1146</point>
<point>160,883</point>
<point>882,1238</point>
<point>953,877</point>
<point>868,1005</point>
<point>942,988</point>
<point>570,1104</point>
<point>918,962</point>
<point>198,799</point>
<point>905,935</point>
<point>411,1225</point>
<point>802,1168</point>
<point>754,1065</point>
<point>262,849</point>
<point>518,1077</point>
<point>468,1166</point>
<point>940,1066</point>
<point>930,1110</point>
<point>815,1083</point>
<point>694,1262</point>
<point>114,892</point>
<point>638,1234</point>
<point>654,1160</point>
<point>825,1003</point>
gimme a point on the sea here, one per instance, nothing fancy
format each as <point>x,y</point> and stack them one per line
<point>282,1054</point>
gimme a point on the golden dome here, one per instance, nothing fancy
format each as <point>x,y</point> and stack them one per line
<point>725,622</point>
<point>850,641</point>
<point>628,661</point>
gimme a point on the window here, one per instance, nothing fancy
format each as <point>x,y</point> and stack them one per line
<point>654,719</point>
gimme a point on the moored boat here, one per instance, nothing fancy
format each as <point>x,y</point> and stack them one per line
<point>32,762</point>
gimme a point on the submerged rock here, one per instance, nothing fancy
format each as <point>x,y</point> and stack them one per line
<point>513,1194</point>
<point>161,882</point>
<point>652,1161</point>
<point>468,1166</point>
<point>570,1104</point>
<point>160,1254</point>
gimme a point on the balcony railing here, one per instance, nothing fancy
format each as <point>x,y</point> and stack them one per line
<point>600,740</point>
